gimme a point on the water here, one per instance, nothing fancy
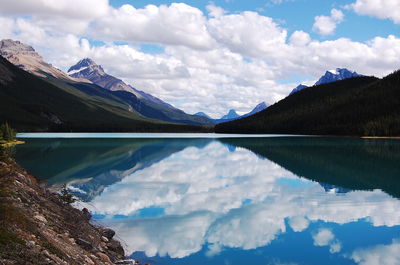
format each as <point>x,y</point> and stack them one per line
<point>264,200</point>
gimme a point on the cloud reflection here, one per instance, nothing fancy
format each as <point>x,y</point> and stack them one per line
<point>228,198</point>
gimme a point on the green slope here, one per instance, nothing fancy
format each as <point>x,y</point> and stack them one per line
<point>30,103</point>
<point>356,106</point>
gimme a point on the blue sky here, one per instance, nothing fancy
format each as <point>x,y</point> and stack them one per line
<point>212,56</point>
<point>296,14</point>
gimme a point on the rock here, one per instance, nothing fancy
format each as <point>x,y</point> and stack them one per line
<point>86,213</point>
<point>31,244</point>
<point>116,247</point>
<point>108,233</point>
<point>84,244</point>
<point>40,218</point>
<point>89,261</point>
<point>103,257</point>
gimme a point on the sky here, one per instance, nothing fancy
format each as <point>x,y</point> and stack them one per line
<point>212,56</point>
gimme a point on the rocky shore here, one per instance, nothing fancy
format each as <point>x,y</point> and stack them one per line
<point>40,227</point>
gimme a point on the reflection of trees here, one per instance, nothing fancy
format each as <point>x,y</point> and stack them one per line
<point>361,164</point>
<point>93,164</point>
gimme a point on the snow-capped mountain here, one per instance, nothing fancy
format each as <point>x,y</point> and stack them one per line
<point>145,104</point>
<point>87,68</point>
<point>330,76</point>
<point>336,75</point>
<point>26,58</point>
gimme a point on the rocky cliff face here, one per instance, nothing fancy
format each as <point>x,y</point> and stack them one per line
<point>26,58</point>
<point>40,227</point>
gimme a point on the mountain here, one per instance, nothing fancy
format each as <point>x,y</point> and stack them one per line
<point>329,77</point>
<point>203,115</point>
<point>230,115</point>
<point>298,88</point>
<point>336,75</point>
<point>26,58</point>
<point>146,104</point>
<point>31,103</point>
<point>355,106</point>
<point>258,108</point>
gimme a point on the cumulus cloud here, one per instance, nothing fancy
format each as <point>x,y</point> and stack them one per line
<point>207,63</point>
<point>300,38</point>
<point>177,24</point>
<point>325,237</point>
<point>74,9</point>
<point>326,25</point>
<point>380,254</point>
<point>380,9</point>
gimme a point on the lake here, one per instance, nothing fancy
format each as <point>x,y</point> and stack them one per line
<point>232,200</point>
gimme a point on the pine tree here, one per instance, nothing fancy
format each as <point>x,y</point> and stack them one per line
<point>6,132</point>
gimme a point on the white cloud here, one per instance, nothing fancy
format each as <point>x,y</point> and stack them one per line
<point>325,237</point>
<point>300,38</point>
<point>208,64</point>
<point>74,9</point>
<point>326,25</point>
<point>380,254</point>
<point>177,24</point>
<point>384,9</point>
<point>248,33</point>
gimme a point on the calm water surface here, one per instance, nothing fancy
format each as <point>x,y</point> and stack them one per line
<point>234,201</point>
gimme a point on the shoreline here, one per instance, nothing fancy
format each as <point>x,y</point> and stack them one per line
<point>11,143</point>
<point>136,135</point>
<point>40,227</point>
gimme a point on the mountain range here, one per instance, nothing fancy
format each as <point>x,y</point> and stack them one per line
<point>355,106</point>
<point>144,103</point>
<point>232,115</point>
<point>329,77</point>
<point>35,96</point>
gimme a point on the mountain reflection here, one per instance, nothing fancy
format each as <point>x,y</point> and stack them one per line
<point>357,164</point>
<point>189,201</point>
<point>93,164</point>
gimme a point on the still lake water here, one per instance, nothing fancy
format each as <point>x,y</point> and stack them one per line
<point>234,201</point>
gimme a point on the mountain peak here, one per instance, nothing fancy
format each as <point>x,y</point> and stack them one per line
<point>336,75</point>
<point>203,115</point>
<point>230,115</point>
<point>8,46</point>
<point>26,58</point>
<point>298,88</point>
<point>84,67</point>
<point>261,106</point>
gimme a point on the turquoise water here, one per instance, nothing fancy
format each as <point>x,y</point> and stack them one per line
<point>233,200</point>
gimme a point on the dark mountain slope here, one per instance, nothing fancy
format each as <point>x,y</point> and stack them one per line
<point>356,106</point>
<point>30,103</point>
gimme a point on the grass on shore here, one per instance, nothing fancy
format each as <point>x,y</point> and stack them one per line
<point>10,143</point>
